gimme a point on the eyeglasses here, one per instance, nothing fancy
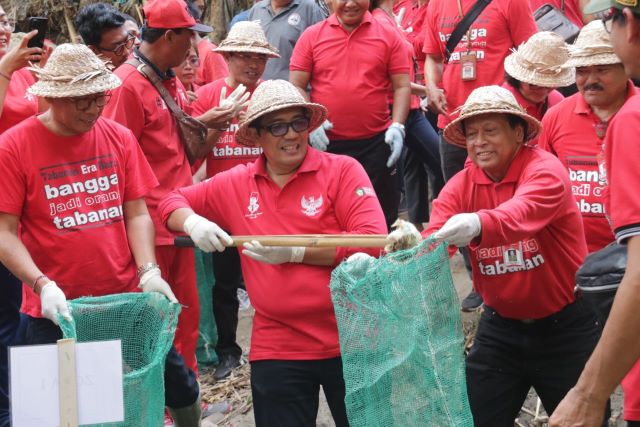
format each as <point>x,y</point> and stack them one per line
<point>8,24</point>
<point>251,56</point>
<point>194,61</point>
<point>120,47</point>
<point>612,16</point>
<point>84,103</point>
<point>281,129</point>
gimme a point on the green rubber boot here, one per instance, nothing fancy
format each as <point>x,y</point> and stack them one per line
<point>189,416</point>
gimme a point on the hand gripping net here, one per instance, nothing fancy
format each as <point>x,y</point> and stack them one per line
<point>145,323</point>
<point>401,340</point>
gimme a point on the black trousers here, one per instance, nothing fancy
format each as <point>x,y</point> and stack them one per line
<point>285,392</point>
<point>509,357</point>
<point>226,269</point>
<point>373,153</point>
<point>180,385</point>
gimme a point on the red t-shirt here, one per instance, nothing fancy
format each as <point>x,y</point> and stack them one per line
<point>621,164</point>
<point>226,153</point>
<point>532,239</point>
<point>138,106</point>
<point>212,64</point>
<point>407,5</point>
<point>351,73</point>
<point>415,20</point>
<point>569,132</point>
<point>571,9</point>
<point>294,317</point>
<point>502,25</point>
<point>69,193</point>
<point>18,104</point>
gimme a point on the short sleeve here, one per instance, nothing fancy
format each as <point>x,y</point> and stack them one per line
<point>13,185</point>
<point>302,56</point>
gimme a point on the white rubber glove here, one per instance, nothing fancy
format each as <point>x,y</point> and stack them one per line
<point>405,236</point>
<point>395,138</point>
<point>239,98</point>
<point>460,229</point>
<point>273,254</point>
<point>53,301</point>
<point>358,264</point>
<point>151,281</point>
<point>205,234</point>
<point>318,138</point>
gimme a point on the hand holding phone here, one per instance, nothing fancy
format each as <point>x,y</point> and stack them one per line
<point>41,24</point>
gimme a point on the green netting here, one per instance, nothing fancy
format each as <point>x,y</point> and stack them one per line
<point>207,334</point>
<point>145,323</point>
<point>401,340</point>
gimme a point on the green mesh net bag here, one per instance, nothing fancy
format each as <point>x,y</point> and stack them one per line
<point>145,323</point>
<point>401,340</point>
<point>207,331</point>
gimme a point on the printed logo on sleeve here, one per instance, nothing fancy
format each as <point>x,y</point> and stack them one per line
<point>365,191</point>
<point>311,205</point>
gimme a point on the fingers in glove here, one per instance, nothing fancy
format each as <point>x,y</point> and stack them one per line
<point>170,295</point>
<point>393,158</point>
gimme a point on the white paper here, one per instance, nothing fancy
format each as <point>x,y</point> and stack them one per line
<point>34,384</point>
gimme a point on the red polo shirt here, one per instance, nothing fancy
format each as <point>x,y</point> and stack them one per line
<point>18,104</point>
<point>569,132</point>
<point>351,73</point>
<point>294,317</point>
<point>503,24</point>
<point>415,22</point>
<point>226,152</point>
<point>212,64</point>
<point>138,106</point>
<point>532,239</point>
<point>621,164</point>
<point>571,9</point>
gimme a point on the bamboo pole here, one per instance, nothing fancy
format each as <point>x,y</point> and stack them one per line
<point>306,240</point>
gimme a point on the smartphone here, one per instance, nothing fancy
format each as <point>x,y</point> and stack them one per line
<point>38,23</point>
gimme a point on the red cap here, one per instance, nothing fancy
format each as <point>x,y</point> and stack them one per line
<point>171,14</point>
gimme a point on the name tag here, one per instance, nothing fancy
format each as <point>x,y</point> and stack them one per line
<point>468,62</point>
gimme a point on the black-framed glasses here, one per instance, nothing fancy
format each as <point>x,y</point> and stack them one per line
<point>612,16</point>
<point>85,102</point>
<point>9,24</point>
<point>120,47</point>
<point>281,128</point>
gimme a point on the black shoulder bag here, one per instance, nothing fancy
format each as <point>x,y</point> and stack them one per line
<point>463,26</point>
<point>550,18</point>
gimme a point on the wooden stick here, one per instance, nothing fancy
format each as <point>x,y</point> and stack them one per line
<point>67,383</point>
<point>306,240</point>
<point>73,35</point>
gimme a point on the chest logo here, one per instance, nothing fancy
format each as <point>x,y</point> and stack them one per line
<point>310,205</point>
<point>254,206</point>
<point>294,19</point>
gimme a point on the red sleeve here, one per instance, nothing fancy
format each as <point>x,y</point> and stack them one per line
<point>537,201</point>
<point>14,183</point>
<point>302,56</point>
<point>399,61</point>
<point>215,67</point>
<point>140,179</point>
<point>357,208</point>
<point>432,43</point>
<point>520,21</point>
<point>125,107</point>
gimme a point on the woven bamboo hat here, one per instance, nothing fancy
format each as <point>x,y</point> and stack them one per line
<point>72,70</point>
<point>592,47</point>
<point>276,95</point>
<point>247,36</point>
<point>539,61</point>
<point>489,100</point>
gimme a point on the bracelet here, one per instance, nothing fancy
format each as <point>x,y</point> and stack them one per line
<point>147,267</point>
<point>6,76</point>
<point>35,282</point>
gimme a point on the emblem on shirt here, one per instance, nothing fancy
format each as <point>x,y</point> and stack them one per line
<point>28,97</point>
<point>310,205</point>
<point>254,206</point>
<point>365,191</point>
<point>294,19</point>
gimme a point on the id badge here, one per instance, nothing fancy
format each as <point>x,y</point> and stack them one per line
<point>512,255</point>
<point>468,62</point>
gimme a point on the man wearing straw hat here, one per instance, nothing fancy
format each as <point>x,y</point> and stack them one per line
<point>514,210</point>
<point>619,347</point>
<point>75,184</point>
<point>246,51</point>
<point>290,189</point>
<point>166,38</point>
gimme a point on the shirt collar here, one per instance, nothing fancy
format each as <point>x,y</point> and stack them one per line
<point>266,4</point>
<point>164,76</point>
<point>366,19</point>
<point>583,108</point>
<point>513,173</point>
<point>312,162</point>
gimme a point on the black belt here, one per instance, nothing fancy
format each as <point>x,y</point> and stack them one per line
<point>567,310</point>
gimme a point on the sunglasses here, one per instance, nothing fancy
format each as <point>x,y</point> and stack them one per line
<point>120,47</point>
<point>281,129</point>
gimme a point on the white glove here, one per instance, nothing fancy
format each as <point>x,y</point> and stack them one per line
<point>152,282</point>
<point>239,98</point>
<point>273,254</point>
<point>405,236</point>
<point>395,138</point>
<point>318,137</point>
<point>53,301</point>
<point>205,234</point>
<point>358,264</point>
<point>460,229</point>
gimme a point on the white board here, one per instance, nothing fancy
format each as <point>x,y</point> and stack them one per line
<point>33,377</point>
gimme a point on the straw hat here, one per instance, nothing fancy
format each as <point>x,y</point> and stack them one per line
<point>276,95</point>
<point>247,36</point>
<point>488,100</point>
<point>539,61</point>
<point>592,47</point>
<point>72,70</point>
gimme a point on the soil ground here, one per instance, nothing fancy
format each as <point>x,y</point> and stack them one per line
<point>242,415</point>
